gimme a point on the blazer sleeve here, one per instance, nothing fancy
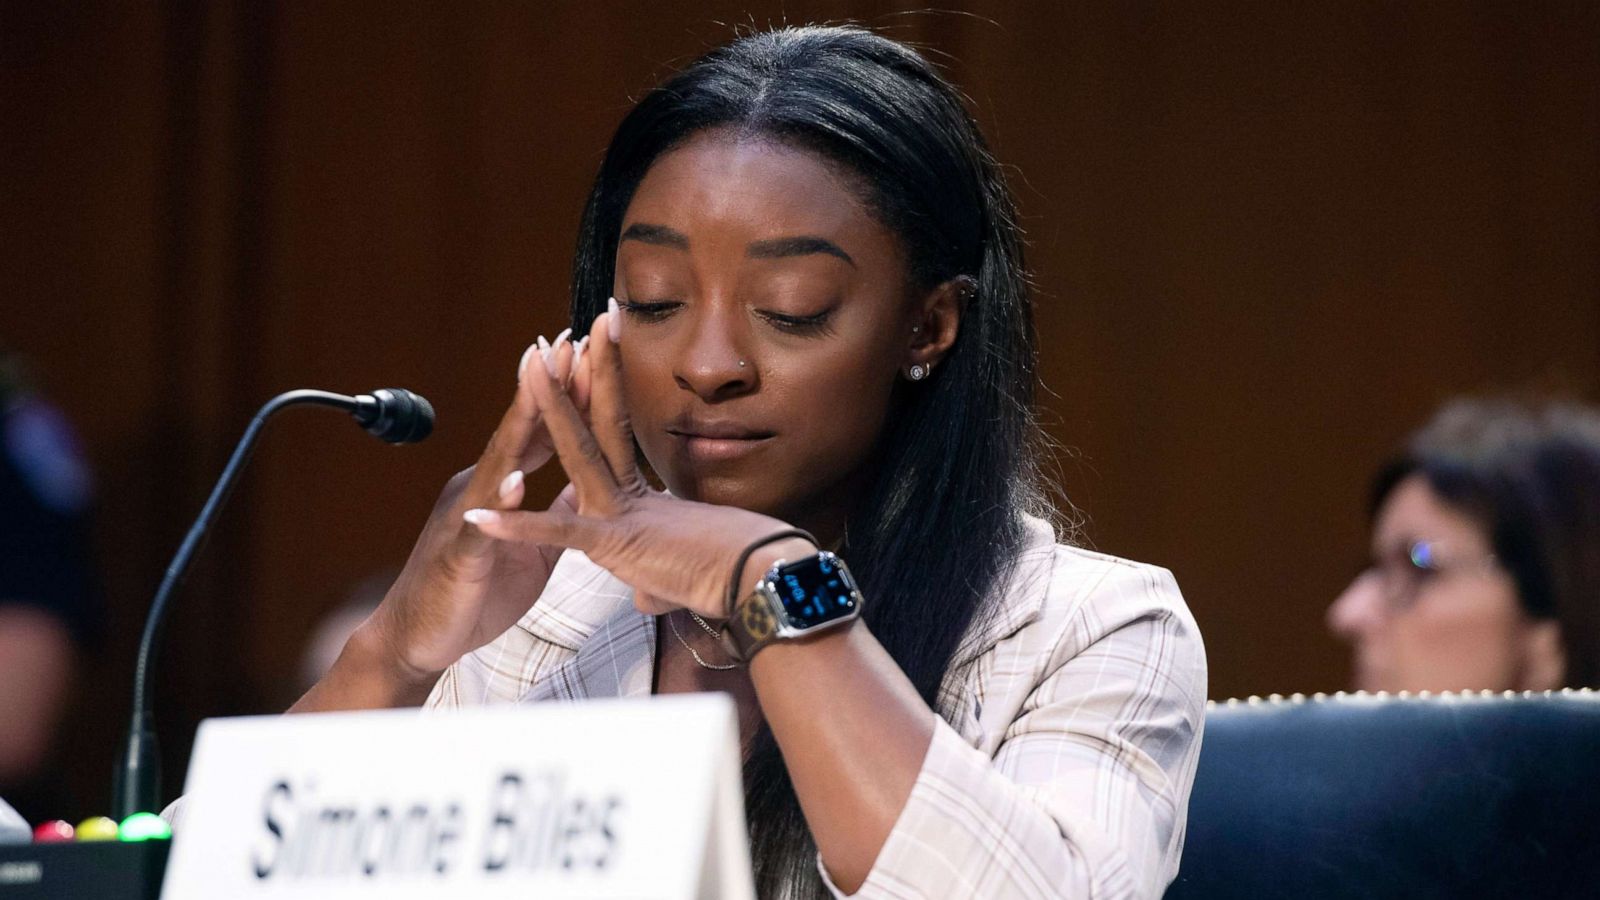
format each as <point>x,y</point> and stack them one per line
<point>1087,793</point>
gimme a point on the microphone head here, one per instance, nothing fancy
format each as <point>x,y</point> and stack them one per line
<point>397,415</point>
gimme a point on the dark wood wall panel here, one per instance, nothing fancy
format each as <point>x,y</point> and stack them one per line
<point>1269,238</point>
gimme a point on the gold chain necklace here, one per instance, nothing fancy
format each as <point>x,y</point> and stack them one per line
<point>671,623</point>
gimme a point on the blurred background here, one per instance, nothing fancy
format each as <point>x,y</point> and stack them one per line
<point>1269,239</point>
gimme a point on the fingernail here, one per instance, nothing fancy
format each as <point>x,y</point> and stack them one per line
<point>549,358</point>
<point>577,352</point>
<point>555,349</point>
<point>481,516</point>
<point>523,363</point>
<point>613,320</point>
<point>510,483</point>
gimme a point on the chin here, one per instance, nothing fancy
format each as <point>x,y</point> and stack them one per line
<point>1370,678</point>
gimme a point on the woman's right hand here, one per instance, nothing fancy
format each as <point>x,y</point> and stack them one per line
<point>459,589</point>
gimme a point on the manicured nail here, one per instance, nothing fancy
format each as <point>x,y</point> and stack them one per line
<point>555,349</point>
<point>613,321</point>
<point>549,358</point>
<point>510,483</point>
<point>481,516</point>
<point>523,363</point>
<point>577,352</point>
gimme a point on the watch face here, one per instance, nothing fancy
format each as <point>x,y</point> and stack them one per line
<point>816,590</point>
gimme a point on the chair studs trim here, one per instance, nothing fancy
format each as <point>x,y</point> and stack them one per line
<point>1400,696</point>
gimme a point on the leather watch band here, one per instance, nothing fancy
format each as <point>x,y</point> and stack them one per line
<point>753,625</point>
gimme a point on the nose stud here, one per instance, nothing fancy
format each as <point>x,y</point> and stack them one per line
<point>741,363</point>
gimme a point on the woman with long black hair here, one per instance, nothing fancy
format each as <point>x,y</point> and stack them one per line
<point>802,283</point>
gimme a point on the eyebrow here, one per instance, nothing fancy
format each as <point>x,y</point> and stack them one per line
<point>776,248</point>
<point>805,245</point>
<point>660,235</point>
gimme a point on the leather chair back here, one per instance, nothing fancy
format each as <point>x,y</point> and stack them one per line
<point>1455,795</point>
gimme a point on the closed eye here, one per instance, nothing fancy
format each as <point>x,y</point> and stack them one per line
<point>649,310</point>
<point>816,324</point>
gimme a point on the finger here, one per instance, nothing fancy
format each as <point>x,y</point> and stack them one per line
<point>555,526</point>
<point>566,501</point>
<point>562,359</point>
<point>467,545</point>
<point>581,376</point>
<point>511,490</point>
<point>519,427</point>
<point>581,456</point>
<point>559,358</point>
<point>608,413</point>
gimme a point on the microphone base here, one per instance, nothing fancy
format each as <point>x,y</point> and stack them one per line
<point>83,869</point>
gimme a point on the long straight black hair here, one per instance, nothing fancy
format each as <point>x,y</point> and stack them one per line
<point>940,523</point>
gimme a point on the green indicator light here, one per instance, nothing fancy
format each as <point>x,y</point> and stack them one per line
<point>144,827</point>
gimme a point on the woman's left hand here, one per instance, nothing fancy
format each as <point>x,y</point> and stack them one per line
<point>673,552</point>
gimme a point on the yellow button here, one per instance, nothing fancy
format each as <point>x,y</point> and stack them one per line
<point>97,828</point>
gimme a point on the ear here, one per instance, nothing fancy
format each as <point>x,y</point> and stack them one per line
<point>1544,659</point>
<point>935,322</point>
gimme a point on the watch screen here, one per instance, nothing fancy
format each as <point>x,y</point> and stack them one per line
<point>816,590</point>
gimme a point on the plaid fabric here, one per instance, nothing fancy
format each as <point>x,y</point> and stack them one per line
<point>1065,749</point>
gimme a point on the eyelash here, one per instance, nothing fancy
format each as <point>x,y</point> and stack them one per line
<point>657,310</point>
<point>801,325</point>
<point>649,311</point>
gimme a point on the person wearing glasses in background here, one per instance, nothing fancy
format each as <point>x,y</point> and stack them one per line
<point>1485,570</point>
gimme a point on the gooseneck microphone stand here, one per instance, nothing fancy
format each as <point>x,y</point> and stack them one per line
<point>396,415</point>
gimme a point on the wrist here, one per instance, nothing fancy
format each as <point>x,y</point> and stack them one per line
<point>818,647</point>
<point>374,658</point>
<point>809,592</point>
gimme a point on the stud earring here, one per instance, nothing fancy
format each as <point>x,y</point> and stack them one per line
<point>917,372</point>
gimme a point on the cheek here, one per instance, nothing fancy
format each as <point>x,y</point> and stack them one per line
<point>1463,641</point>
<point>649,392</point>
<point>838,404</point>
<point>645,374</point>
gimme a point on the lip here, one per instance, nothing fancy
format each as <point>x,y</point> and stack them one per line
<point>717,441</point>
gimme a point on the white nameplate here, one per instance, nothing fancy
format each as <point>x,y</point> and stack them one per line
<point>613,798</point>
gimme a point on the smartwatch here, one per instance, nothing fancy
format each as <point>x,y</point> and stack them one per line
<point>792,600</point>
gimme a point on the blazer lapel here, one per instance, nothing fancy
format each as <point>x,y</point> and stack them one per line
<point>585,609</point>
<point>618,660</point>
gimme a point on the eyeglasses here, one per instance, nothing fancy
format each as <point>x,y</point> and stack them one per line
<point>1402,572</point>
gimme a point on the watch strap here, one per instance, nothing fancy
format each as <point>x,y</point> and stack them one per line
<point>753,625</point>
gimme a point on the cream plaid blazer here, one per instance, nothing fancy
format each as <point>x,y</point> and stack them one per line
<point>1065,749</point>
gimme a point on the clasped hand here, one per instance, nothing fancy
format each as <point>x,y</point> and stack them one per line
<point>482,560</point>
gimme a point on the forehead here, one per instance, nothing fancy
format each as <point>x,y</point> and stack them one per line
<point>754,187</point>
<point>1413,511</point>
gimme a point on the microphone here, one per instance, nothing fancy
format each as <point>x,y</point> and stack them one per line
<point>396,415</point>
